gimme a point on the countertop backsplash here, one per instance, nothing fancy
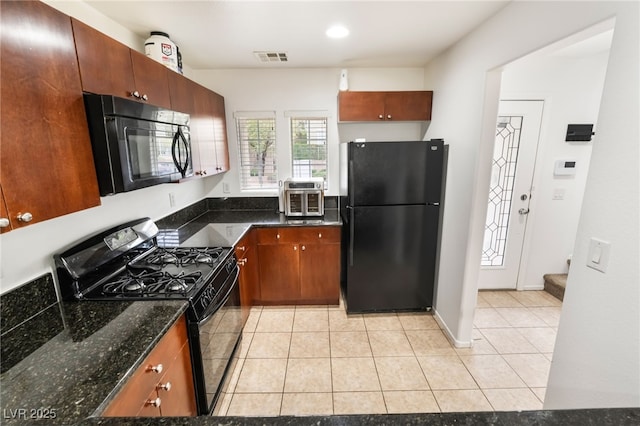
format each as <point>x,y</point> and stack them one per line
<point>23,311</point>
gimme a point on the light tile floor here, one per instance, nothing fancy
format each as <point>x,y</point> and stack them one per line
<point>318,360</point>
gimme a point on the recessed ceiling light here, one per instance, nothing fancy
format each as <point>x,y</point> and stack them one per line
<point>337,31</point>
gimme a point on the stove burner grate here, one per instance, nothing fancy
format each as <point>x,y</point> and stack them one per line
<point>151,284</point>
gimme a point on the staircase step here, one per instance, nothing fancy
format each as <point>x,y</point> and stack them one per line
<point>555,284</point>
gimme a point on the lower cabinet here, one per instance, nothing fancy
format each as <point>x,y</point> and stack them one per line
<point>163,385</point>
<point>299,265</point>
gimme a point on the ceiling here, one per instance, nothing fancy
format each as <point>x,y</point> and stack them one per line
<point>225,34</point>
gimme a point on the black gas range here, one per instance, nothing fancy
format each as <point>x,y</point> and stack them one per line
<point>125,263</point>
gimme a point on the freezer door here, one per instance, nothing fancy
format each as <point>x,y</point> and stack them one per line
<point>394,173</point>
<point>391,258</point>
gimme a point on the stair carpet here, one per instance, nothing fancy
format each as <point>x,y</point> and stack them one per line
<point>555,284</point>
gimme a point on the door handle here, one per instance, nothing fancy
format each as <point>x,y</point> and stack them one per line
<point>523,211</point>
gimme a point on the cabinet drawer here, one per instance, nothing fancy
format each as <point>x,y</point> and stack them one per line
<point>298,234</point>
<point>318,234</point>
<point>143,382</point>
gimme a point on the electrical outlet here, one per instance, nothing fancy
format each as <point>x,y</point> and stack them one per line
<point>225,187</point>
<point>172,200</point>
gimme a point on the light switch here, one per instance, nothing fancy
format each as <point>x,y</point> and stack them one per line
<point>598,256</point>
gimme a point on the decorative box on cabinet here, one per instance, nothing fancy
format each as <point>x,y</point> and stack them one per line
<point>109,67</point>
<point>46,162</point>
<point>385,106</point>
<point>163,384</point>
<point>299,264</point>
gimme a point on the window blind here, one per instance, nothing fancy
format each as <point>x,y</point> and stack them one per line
<point>309,147</point>
<point>257,148</point>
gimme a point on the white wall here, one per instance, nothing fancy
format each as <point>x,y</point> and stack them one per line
<point>284,89</point>
<point>597,358</point>
<point>26,253</point>
<point>571,89</point>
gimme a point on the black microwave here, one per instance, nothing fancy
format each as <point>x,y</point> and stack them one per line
<point>136,145</point>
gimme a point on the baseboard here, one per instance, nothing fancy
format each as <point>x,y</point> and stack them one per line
<point>455,342</point>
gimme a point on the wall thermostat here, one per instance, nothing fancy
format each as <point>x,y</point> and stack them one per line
<point>565,168</point>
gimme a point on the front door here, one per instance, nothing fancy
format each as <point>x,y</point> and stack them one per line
<point>516,145</point>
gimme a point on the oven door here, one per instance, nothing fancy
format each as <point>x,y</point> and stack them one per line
<point>214,341</point>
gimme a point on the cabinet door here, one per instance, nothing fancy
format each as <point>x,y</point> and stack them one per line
<point>4,214</point>
<point>151,79</point>
<point>408,106</point>
<point>105,64</point>
<point>220,134</point>
<point>179,399</point>
<point>180,93</point>
<point>202,131</point>
<point>279,273</point>
<point>246,252</point>
<point>46,162</point>
<point>361,106</point>
<point>320,273</point>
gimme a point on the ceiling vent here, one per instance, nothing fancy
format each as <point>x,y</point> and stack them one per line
<point>271,56</point>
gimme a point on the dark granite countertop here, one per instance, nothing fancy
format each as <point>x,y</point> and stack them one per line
<point>602,417</point>
<point>78,371</point>
<point>225,227</point>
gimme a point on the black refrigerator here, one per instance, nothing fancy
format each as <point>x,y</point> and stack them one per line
<point>391,223</point>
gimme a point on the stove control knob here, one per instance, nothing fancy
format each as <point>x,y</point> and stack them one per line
<point>155,368</point>
<point>164,386</point>
<point>155,402</point>
<point>24,217</point>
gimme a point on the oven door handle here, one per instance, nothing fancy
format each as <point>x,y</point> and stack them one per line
<point>212,311</point>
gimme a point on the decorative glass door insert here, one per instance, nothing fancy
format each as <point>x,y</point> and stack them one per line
<point>503,172</point>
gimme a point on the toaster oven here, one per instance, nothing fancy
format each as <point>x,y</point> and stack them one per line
<point>304,197</point>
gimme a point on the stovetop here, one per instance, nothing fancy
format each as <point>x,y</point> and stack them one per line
<point>162,273</point>
<point>125,262</point>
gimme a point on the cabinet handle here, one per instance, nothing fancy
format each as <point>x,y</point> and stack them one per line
<point>319,234</point>
<point>24,217</point>
<point>295,248</point>
<point>4,222</point>
<point>242,262</point>
<point>388,116</point>
<point>135,94</point>
<point>145,97</point>
<point>155,368</point>
<point>164,386</point>
<point>241,248</point>
<point>304,248</point>
<point>380,116</point>
<point>278,236</point>
<point>155,402</point>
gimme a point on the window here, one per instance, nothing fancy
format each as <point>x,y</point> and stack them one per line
<point>257,147</point>
<point>309,147</point>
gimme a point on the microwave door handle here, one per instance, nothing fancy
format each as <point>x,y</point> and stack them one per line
<point>182,167</point>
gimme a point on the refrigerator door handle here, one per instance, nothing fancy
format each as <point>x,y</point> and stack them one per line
<point>351,233</point>
<point>351,184</point>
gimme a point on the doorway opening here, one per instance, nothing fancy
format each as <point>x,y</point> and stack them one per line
<point>533,210</point>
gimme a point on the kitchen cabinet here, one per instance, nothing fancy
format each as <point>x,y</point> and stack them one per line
<point>299,265</point>
<point>208,124</point>
<point>46,162</point>
<point>246,253</point>
<point>108,67</point>
<point>163,384</point>
<point>385,106</point>
<point>5,223</point>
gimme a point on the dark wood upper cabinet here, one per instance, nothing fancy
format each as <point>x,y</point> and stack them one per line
<point>208,124</point>
<point>109,67</point>
<point>46,162</point>
<point>385,106</point>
